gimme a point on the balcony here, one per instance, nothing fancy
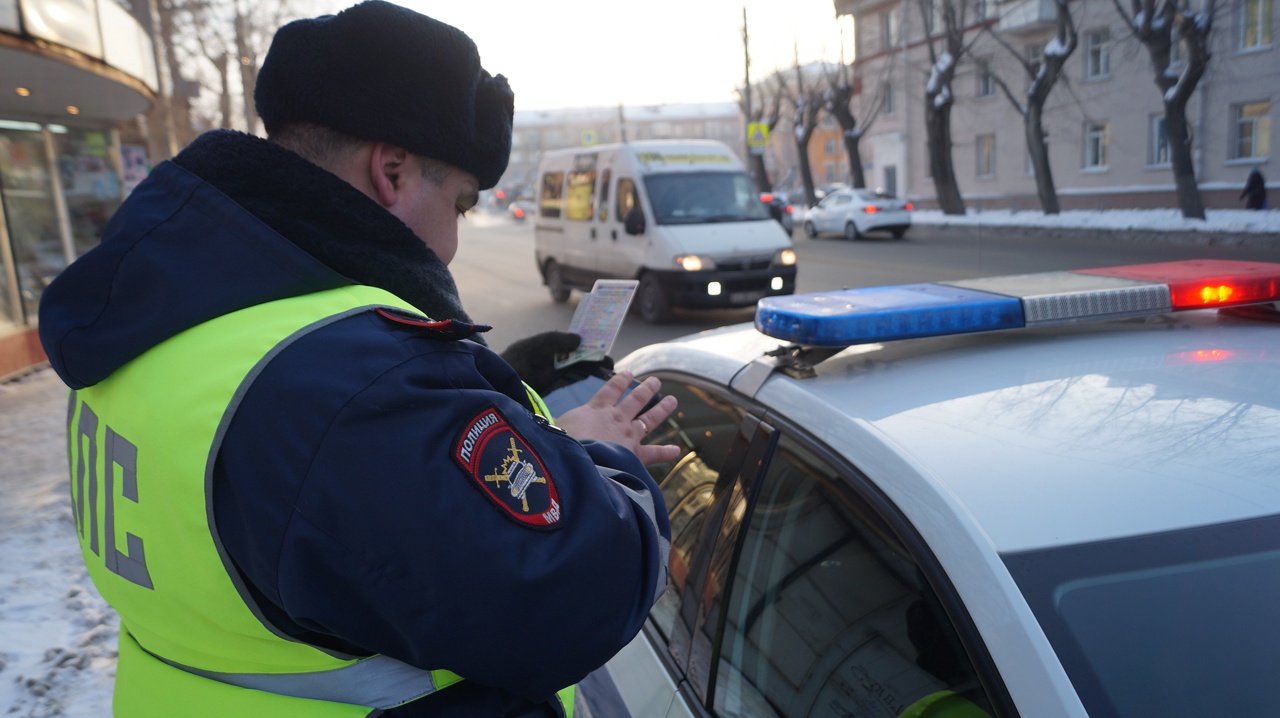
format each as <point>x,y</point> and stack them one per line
<point>1026,15</point>
<point>73,57</point>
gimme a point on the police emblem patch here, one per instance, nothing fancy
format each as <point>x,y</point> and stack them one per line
<point>502,465</point>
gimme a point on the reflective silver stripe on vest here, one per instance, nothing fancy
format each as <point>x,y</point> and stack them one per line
<point>377,682</point>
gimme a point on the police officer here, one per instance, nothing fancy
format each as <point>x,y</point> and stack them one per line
<point>297,473</point>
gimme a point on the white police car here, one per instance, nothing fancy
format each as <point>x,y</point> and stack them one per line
<point>1066,518</point>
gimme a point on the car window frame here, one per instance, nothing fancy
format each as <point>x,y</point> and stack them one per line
<point>762,429</point>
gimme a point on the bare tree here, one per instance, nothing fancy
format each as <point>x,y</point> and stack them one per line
<point>842,85</point>
<point>806,105</point>
<point>939,98</point>
<point>754,114</point>
<point>1160,25</point>
<point>1043,77</point>
<point>767,113</point>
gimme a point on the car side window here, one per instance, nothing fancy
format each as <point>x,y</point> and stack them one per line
<point>829,614</point>
<point>703,426</point>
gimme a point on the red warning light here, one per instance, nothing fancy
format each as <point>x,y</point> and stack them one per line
<point>910,206</point>
<point>766,198</point>
<point>869,209</point>
<point>519,213</point>
<point>1204,283</point>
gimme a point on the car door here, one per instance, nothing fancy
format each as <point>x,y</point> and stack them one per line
<point>831,212</point>
<point>806,593</point>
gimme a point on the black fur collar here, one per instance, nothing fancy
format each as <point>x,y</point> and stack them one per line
<point>325,217</point>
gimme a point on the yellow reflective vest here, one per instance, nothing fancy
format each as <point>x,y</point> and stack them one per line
<point>142,445</point>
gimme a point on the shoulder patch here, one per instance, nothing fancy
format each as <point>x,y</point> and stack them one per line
<point>507,471</point>
<point>443,328</point>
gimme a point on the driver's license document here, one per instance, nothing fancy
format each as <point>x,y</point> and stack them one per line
<point>598,319</point>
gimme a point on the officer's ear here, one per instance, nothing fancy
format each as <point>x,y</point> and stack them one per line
<point>387,165</point>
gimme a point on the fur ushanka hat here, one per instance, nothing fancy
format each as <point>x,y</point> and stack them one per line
<point>379,71</point>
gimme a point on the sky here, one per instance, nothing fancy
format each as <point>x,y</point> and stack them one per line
<point>593,53</point>
<point>58,637</point>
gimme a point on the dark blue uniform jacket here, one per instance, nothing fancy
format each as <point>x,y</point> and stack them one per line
<point>340,492</point>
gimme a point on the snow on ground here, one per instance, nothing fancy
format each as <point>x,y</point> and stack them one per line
<point>1166,220</point>
<point>57,636</point>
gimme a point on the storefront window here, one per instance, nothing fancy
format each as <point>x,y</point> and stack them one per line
<point>90,183</point>
<point>30,216</point>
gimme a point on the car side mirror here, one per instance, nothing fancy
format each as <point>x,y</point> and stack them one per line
<point>634,222</point>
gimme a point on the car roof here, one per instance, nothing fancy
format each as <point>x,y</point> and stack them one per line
<point>1037,437</point>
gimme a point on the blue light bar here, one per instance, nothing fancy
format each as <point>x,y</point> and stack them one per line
<point>873,314</point>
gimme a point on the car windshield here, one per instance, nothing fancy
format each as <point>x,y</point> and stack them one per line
<point>1172,624</point>
<point>703,197</point>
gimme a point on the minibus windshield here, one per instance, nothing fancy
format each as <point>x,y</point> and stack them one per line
<point>704,197</point>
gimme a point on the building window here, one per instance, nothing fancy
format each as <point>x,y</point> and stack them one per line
<point>1159,146</point>
<point>888,98</point>
<point>888,29</point>
<point>981,10</point>
<point>986,81</point>
<point>1097,140</point>
<point>829,147</point>
<point>986,164</point>
<point>1252,126</point>
<point>1098,54</point>
<point>1255,23</point>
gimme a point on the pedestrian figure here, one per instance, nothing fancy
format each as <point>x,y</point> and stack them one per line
<point>1255,191</point>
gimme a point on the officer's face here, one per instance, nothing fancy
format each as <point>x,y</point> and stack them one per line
<point>431,209</point>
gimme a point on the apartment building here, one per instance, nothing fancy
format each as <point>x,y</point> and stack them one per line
<point>70,72</point>
<point>1105,117</point>
<point>536,131</point>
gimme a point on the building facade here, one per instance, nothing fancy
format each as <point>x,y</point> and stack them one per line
<point>71,72</point>
<point>1105,117</point>
<point>537,131</point>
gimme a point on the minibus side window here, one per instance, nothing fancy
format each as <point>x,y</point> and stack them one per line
<point>549,199</point>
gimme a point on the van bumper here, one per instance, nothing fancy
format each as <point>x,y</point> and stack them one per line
<point>723,290</point>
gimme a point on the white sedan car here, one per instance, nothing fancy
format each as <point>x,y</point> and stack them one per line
<point>886,508</point>
<point>854,212</point>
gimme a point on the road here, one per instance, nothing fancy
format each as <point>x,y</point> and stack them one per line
<point>500,285</point>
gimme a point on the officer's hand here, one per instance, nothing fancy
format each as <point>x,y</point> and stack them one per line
<point>610,416</point>
<point>534,357</point>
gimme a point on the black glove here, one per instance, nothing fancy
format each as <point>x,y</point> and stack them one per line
<point>534,357</point>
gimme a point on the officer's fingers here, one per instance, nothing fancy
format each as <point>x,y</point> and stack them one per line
<point>606,397</point>
<point>657,453</point>
<point>640,396</point>
<point>563,342</point>
<point>654,417</point>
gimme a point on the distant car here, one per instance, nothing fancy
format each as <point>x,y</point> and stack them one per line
<point>779,209</point>
<point>522,209</point>
<point>854,212</point>
<point>1070,508</point>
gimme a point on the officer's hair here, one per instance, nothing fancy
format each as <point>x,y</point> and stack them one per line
<point>328,147</point>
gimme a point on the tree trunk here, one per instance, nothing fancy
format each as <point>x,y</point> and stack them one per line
<point>938,129</point>
<point>1039,153</point>
<point>856,175</point>
<point>247,61</point>
<point>1184,170</point>
<point>762,176</point>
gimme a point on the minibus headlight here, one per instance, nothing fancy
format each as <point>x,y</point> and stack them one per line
<point>695,263</point>
<point>784,258</point>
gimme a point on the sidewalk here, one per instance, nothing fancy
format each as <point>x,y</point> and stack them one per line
<point>57,636</point>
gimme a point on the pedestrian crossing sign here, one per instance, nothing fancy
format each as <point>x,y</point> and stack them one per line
<point>757,134</point>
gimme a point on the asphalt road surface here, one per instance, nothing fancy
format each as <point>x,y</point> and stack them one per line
<point>500,285</point>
